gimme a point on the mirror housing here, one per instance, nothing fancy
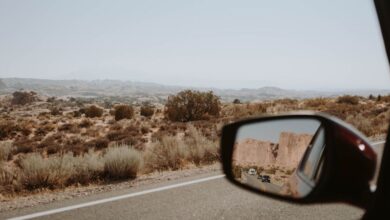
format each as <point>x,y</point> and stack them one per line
<point>345,173</point>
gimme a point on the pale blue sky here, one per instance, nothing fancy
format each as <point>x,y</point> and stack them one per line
<point>270,130</point>
<point>313,44</point>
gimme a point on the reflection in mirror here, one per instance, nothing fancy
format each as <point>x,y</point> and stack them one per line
<point>281,156</point>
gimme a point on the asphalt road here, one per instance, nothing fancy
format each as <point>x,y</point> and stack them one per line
<point>254,182</point>
<point>198,197</point>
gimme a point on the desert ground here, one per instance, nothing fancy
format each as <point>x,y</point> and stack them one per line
<point>55,143</point>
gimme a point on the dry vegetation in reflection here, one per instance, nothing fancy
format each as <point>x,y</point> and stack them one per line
<point>54,142</point>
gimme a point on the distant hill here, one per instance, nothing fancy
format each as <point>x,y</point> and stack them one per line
<point>104,88</point>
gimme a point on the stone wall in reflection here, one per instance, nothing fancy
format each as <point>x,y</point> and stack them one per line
<point>286,153</point>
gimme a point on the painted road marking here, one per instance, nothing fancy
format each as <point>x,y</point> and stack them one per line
<point>116,198</point>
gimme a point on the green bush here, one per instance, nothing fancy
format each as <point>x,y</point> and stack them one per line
<point>191,105</point>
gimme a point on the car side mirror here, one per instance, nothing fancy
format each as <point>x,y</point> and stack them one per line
<point>302,158</point>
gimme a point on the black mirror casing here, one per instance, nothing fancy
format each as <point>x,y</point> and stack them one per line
<point>345,173</point>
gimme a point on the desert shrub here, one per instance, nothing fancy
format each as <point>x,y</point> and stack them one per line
<point>69,127</point>
<point>55,111</point>
<point>236,101</point>
<point>122,162</point>
<point>23,98</point>
<point>85,123</point>
<point>147,110</point>
<point>236,171</point>
<point>316,102</point>
<point>51,99</point>
<point>53,143</point>
<point>165,154</point>
<point>145,129</point>
<point>5,150</point>
<point>98,143</point>
<point>52,172</point>
<point>24,145</point>
<point>123,112</point>
<point>76,114</point>
<point>286,101</point>
<point>9,179</point>
<point>270,170</point>
<point>76,145</point>
<point>347,99</point>
<point>8,129</point>
<point>92,111</point>
<point>87,168</point>
<point>191,105</point>
<point>199,149</point>
<point>384,98</point>
<point>116,135</point>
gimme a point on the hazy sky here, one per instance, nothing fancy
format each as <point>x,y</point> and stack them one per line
<point>313,44</point>
<point>270,131</point>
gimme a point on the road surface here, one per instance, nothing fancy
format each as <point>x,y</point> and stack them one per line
<point>254,182</point>
<point>208,196</point>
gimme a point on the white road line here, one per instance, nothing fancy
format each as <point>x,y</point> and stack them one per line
<point>116,198</point>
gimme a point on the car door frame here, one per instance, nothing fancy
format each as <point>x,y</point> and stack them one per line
<point>380,206</point>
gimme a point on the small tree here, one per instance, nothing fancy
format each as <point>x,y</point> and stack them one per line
<point>123,111</point>
<point>147,110</point>
<point>236,101</point>
<point>191,105</point>
<point>23,98</point>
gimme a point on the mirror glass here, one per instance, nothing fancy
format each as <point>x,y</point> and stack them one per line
<point>282,156</point>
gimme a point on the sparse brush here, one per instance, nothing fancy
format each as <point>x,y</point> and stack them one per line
<point>347,99</point>
<point>52,172</point>
<point>9,179</point>
<point>69,127</point>
<point>5,150</point>
<point>199,149</point>
<point>122,162</point>
<point>98,143</point>
<point>147,110</point>
<point>92,111</point>
<point>123,112</point>
<point>87,168</point>
<point>85,123</point>
<point>165,154</point>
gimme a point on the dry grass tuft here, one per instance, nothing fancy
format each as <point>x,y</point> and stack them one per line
<point>5,150</point>
<point>199,149</point>
<point>122,162</point>
<point>52,172</point>
<point>167,153</point>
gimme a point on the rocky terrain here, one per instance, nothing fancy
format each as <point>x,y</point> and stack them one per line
<point>285,154</point>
